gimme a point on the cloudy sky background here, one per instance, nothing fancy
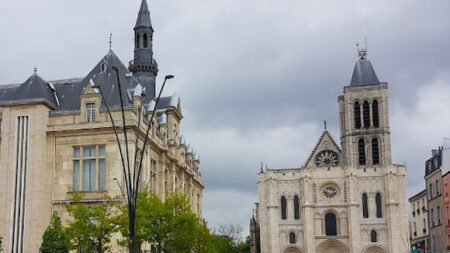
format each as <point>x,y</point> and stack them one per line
<point>257,77</point>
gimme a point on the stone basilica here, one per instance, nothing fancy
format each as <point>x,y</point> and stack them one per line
<point>347,198</point>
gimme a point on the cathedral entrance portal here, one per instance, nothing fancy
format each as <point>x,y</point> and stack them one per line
<point>332,246</point>
<point>374,249</point>
<point>292,250</point>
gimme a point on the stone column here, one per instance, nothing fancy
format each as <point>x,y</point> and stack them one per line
<point>354,212</point>
<point>308,218</point>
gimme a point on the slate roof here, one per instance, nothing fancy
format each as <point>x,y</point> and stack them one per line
<point>143,19</point>
<point>363,74</point>
<point>68,91</point>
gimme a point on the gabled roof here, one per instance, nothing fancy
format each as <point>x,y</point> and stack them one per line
<point>143,19</point>
<point>363,74</point>
<point>34,89</point>
<point>325,141</point>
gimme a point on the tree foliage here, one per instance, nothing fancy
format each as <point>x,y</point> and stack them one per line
<point>1,240</point>
<point>55,238</point>
<point>92,227</point>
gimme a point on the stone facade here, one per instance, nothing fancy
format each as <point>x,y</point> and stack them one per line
<point>347,198</point>
<point>57,139</point>
<point>419,222</point>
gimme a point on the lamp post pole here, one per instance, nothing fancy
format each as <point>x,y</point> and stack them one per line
<point>131,174</point>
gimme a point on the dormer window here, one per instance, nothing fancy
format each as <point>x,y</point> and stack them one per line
<point>90,112</point>
<point>103,67</point>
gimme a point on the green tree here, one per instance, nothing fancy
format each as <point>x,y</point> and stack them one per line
<point>1,239</point>
<point>92,227</point>
<point>205,240</point>
<point>55,238</point>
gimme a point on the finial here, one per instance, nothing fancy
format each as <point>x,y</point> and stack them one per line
<point>325,125</point>
<point>35,70</point>
<point>362,52</point>
<point>110,40</point>
<point>262,168</point>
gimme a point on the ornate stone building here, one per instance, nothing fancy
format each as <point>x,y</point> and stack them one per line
<point>348,197</point>
<point>419,222</point>
<point>57,139</point>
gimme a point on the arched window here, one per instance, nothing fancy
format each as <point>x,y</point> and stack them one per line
<point>296,207</point>
<point>378,205</point>
<point>375,152</point>
<point>330,224</point>
<point>365,206</point>
<point>291,238</point>
<point>283,208</point>
<point>145,40</point>
<point>375,118</point>
<point>362,152</point>
<point>366,114</point>
<point>357,110</point>
<point>373,236</point>
<point>138,42</point>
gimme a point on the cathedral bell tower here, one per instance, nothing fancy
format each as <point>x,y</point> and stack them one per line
<point>364,118</point>
<point>144,67</point>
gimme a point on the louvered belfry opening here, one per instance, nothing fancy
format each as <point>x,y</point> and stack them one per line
<point>20,182</point>
<point>375,152</point>
<point>365,207</point>
<point>375,117</point>
<point>357,111</point>
<point>362,152</point>
<point>366,114</point>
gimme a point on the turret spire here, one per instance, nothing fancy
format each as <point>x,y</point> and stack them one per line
<point>143,16</point>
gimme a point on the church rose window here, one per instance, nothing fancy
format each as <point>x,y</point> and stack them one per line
<point>283,208</point>
<point>365,206</point>
<point>330,224</point>
<point>375,118</point>
<point>378,205</point>
<point>291,238</point>
<point>327,158</point>
<point>296,207</point>
<point>375,152</point>
<point>366,114</point>
<point>362,152</point>
<point>357,111</point>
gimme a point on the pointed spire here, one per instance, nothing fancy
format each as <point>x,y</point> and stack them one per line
<point>363,73</point>
<point>143,16</point>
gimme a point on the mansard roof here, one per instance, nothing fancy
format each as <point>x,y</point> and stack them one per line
<point>33,90</point>
<point>363,74</point>
<point>320,145</point>
<point>143,19</point>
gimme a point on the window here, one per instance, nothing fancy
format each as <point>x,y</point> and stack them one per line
<point>375,152</point>
<point>437,187</point>
<point>137,40</point>
<point>364,206</point>
<point>296,207</point>
<point>90,112</point>
<point>432,217</point>
<point>366,114</point>
<point>357,111</point>
<point>438,215</point>
<point>283,208</point>
<point>375,118</point>
<point>362,152</point>
<point>0,125</point>
<point>89,168</point>
<point>145,40</point>
<point>378,205</point>
<point>330,224</point>
<point>430,193</point>
<point>291,238</point>
<point>373,236</point>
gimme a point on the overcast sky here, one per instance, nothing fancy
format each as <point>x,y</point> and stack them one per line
<point>256,77</point>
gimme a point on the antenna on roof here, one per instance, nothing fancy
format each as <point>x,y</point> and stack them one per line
<point>110,40</point>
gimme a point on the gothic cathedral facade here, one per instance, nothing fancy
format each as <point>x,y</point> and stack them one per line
<point>347,198</point>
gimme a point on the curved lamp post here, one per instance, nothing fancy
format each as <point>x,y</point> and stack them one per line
<point>132,174</point>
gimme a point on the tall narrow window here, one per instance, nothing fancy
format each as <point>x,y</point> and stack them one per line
<point>362,152</point>
<point>90,112</point>
<point>296,207</point>
<point>373,236</point>
<point>330,224</point>
<point>357,111</point>
<point>379,205</point>
<point>89,170</point>
<point>375,118</point>
<point>283,208</point>
<point>145,40</point>
<point>365,206</point>
<point>137,40</point>
<point>291,238</point>
<point>375,152</point>
<point>366,114</point>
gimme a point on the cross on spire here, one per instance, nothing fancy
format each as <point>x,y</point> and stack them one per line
<point>362,52</point>
<point>110,40</point>
<point>35,70</point>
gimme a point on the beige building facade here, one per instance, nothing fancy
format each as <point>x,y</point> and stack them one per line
<point>419,221</point>
<point>348,197</point>
<point>57,139</point>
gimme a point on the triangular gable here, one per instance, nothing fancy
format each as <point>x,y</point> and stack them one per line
<point>326,142</point>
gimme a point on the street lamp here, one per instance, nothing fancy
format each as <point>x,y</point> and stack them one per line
<point>131,174</point>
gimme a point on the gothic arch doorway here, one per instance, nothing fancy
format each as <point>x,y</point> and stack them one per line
<point>332,246</point>
<point>292,250</point>
<point>374,249</point>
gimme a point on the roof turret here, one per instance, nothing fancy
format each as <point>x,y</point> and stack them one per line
<point>143,19</point>
<point>363,73</point>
